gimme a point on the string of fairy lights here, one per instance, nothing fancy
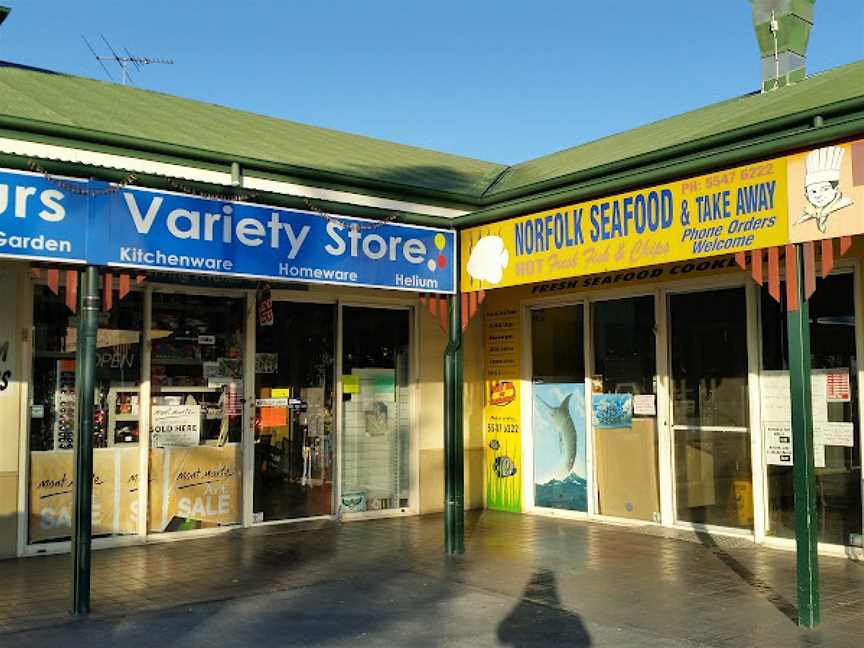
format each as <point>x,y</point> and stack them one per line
<point>131,179</point>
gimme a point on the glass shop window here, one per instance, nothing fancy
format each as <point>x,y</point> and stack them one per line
<point>54,424</point>
<point>835,413</point>
<point>196,411</point>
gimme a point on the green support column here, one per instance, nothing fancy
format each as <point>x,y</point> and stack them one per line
<point>802,454</point>
<point>454,475</point>
<point>85,365</point>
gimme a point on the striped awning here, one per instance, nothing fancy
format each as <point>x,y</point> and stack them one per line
<point>437,306</point>
<point>765,266</point>
<point>52,278</point>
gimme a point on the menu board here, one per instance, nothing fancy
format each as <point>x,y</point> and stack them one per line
<point>501,411</point>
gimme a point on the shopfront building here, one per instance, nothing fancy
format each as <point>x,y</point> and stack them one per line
<point>221,400</point>
<point>639,393</point>
<point>242,427</point>
<point>675,432</point>
<point>265,354</point>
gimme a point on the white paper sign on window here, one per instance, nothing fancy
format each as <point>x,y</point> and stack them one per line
<point>776,402</point>
<point>835,434</point>
<point>778,443</point>
<point>176,426</point>
<point>644,405</point>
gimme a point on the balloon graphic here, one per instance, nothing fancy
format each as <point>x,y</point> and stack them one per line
<point>440,241</point>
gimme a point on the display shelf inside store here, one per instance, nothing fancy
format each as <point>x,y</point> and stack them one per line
<point>187,305</point>
<point>179,389</point>
<point>177,361</point>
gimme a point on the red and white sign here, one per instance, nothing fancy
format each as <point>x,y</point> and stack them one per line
<point>838,386</point>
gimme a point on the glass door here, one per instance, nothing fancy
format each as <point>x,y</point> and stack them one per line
<point>558,407</point>
<point>294,440</point>
<point>376,409</point>
<point>710,415</point>
<point>625,370</point>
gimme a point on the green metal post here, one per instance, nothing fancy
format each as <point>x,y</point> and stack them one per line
<point>454,476</point>
<point>85,364</point>
<point>798,323</point>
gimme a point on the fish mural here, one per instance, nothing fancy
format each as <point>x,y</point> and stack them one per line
<point>559,446</point>
<point>562,426</point>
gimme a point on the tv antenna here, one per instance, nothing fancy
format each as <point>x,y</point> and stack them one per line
<point>123,61</point>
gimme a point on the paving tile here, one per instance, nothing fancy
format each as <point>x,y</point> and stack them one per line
<point>666,588</point>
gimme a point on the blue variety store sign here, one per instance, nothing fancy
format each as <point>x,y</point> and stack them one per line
<point>139,228</point>
<point>42,220</point>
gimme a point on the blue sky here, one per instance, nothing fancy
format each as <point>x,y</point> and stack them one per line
<point>502,81</point>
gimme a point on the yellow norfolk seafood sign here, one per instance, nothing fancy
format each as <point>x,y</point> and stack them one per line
<point>739,209</point>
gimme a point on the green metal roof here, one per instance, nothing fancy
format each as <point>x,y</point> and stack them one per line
<point>822,89</point>
<point>96,107</point>
<point>92,111</point>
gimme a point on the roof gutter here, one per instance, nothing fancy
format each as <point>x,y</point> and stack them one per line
<point>62,168</point>
<point>28,127</point>
<point>803,130</point>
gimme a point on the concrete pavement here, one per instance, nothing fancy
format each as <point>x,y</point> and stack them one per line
<point>524,581</point>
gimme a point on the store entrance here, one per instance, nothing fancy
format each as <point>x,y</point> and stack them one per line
<point>624,379</point>
<point>294,378</point>
<point>708,368</point>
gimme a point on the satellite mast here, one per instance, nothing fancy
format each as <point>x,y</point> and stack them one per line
<point>123,61</point>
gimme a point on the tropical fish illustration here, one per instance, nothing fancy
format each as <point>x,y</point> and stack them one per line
<point>562,424</point>
<point>494,444</point>
<point>504,466</point>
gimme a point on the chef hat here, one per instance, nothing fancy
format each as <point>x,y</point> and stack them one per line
<point>823,165</point>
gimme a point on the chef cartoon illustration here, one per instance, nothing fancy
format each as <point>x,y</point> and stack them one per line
<point>822,186</point>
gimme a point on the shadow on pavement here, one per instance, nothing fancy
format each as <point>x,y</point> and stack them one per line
<point>784,606</point>
<point>538,618</point>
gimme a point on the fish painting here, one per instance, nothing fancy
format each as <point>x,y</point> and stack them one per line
<point>611,411</point>
<point>504,466</point>
<point>562,425</point>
